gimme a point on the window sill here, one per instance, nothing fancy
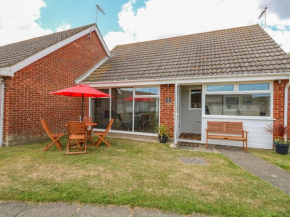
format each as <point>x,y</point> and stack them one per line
<point>237,117</point>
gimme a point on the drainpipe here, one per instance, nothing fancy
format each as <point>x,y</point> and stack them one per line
<point>2,110</point>
<point>286,105</point>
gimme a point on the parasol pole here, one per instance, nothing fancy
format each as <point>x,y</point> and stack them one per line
<point>82,114</point>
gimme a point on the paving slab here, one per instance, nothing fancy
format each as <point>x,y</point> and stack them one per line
<point>276,176</point>
<point>138,212</point>
<point>193,160</point>
<point>200,148</point>
<point>49,210</point>
<point>8,209</point>
<point>97,211</point>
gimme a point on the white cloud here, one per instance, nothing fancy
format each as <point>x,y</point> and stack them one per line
<point>163,18</point>
<point>63,27</point>
<point>18,20</point>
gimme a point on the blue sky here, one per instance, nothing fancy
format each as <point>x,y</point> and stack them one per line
<point>78,13</point>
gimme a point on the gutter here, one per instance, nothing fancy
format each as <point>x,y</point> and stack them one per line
<point>1,110</point>
<point>286,105</point>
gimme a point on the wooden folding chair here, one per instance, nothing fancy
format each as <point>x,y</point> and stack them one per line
<point>89,130</point>
<point>77,136</point>
<point>54,137</point>
<point>102,135</point>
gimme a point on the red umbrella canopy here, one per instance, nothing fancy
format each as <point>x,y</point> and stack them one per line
<point>81,90</point>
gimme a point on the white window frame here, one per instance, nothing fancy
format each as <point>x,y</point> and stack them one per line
<point>133,110</point>
<point>189,98</point>
<point>236,91</point>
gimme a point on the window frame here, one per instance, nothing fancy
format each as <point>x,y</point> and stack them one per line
<point>189,97</point>
<point>237,91</point>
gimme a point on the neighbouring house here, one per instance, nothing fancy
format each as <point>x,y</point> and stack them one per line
<point>238,74</point>
<point>31,69</point>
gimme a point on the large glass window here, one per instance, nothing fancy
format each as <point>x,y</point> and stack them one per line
<point>146,117</point>
<point>238,104</point>
<point>122,108</point>
<point>101,111</point>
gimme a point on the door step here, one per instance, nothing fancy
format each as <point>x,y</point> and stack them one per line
<point>191,144</point>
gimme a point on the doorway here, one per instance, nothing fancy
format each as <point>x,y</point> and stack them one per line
<point>190,107</point>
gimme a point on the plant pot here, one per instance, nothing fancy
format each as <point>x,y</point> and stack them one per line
<point>163,139</point>
<point>282,149</point>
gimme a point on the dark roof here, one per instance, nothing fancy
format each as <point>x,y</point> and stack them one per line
<point>243,50</point>
<point>13,53</point>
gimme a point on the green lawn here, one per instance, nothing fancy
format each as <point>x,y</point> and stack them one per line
<point>137,174</point>
<point>271,156</point>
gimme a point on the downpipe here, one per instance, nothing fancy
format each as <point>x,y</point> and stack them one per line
<point>2,111</point>
<point>286,106</point>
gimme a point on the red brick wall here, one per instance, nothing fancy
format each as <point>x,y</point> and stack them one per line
<point>167,108</point>
<point>278,110</point>
<point>26,94</point>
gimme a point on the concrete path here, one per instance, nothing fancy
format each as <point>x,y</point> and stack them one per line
<point>259,167</point>
<point>15,209</point>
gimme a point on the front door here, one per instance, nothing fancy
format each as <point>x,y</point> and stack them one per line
<point>191,112</point>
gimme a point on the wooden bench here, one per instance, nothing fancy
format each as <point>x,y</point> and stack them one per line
<point>226,131</point>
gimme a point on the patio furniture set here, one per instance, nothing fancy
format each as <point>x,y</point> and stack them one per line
<point>79,132</point>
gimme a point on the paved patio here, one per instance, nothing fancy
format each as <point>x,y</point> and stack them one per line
<point>13,209</point>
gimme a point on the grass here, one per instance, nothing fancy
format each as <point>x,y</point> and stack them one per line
<point>137,174</point>
<point>282,161</point>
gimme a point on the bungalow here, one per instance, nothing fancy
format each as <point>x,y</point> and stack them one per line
<point>237,74</point>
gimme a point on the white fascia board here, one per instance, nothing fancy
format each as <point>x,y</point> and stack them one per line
<point>9,71</point>
<point>197,80</point>
<point>102,41</point>
<point>84,76</point>
<point>6,72</point>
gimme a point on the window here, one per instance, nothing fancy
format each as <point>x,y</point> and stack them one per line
<point>237,103</point>
<point>134,109</point>
<point>195,98</point>
<point>147,91</point>
<point>232,102</point>
<point>146,117</point>
<point>122,108</point>
<point>101,111</point>
<point>253,87</point>
<point>219,88</point>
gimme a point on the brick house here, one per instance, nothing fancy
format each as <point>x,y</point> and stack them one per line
<point>237,74</point>
<point>31,69</point>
